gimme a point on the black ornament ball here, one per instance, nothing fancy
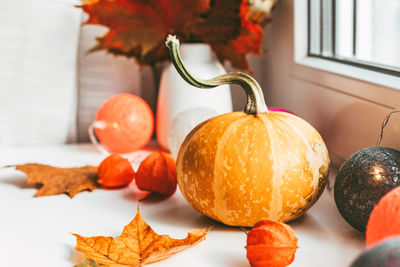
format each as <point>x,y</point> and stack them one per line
<point>362,180</point>
<point>386,254</point>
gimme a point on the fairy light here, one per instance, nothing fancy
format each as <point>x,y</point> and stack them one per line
<point>377,173</point>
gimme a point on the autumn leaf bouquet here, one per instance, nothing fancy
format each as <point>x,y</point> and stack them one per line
<point>138,28</point>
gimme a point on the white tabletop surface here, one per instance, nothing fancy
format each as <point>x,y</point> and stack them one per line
<point>37,231</point>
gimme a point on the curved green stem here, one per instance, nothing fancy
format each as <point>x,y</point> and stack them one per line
<point>255,98</point>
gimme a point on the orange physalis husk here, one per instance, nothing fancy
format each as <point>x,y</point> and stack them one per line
<point>137,245</point>
<point>115,171</point>
<point>157,173</point>
<point>271,244</point>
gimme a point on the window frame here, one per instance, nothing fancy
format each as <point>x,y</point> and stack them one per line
<point>330,39</point>
<point>336,72</point>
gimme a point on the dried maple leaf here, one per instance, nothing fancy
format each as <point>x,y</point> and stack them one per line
<point>138,244</point>
<point>138,28</point>
<point>60,180</point>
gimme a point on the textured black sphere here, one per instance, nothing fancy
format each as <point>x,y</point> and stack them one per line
<point>386,254</point>
<point>362,180</point>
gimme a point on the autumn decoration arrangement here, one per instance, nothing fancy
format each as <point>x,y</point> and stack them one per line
<point>258,168</point>
<point>237,182</point>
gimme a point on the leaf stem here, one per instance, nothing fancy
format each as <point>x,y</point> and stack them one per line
<point>255,98</point>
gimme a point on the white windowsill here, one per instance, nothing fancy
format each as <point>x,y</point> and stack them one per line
<point>370,76</point>
<point>371,86</point>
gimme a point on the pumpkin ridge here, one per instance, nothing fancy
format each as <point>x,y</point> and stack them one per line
<point>251,201</point>
<point>218,179</point>
<point>196,134</point>
<point>276,195</point>
<point>180,162</point>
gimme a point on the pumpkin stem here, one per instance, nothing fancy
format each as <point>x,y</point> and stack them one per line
<point>255,98</point>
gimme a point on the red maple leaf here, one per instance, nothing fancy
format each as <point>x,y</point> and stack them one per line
<point>138,28</point>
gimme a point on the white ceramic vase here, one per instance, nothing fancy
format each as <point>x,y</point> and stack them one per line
<point>175,95</point>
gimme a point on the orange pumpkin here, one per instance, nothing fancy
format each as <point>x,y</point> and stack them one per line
<point>243,167</point>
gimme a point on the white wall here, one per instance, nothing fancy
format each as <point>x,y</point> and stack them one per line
<point>37,71</point>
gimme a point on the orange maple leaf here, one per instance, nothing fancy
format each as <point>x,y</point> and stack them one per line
<point>138,244</point>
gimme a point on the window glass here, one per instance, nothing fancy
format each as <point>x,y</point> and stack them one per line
<point>359,31</point>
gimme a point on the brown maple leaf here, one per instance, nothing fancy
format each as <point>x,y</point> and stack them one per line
<point>59,180</point>
<point>138,244</point>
